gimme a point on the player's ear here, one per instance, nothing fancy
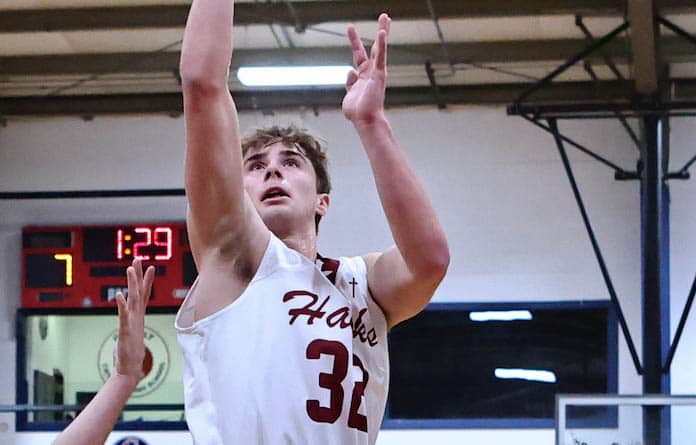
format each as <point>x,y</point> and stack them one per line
<point>322,205</point>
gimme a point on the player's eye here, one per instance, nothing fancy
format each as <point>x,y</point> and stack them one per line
<point>256,166</point>
<point>292,162</point>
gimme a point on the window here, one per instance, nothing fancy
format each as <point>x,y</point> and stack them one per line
<point>65,356</point>
<point>500,365</point>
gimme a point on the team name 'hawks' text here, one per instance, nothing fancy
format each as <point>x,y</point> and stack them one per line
<point>340,318</point>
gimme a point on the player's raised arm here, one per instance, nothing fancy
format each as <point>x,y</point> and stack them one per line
<point>403,278</point>
<point>218,215</point>
<point>96,421</point>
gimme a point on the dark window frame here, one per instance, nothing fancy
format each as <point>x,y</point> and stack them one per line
<point>608,421</point>
<point>21,386</point>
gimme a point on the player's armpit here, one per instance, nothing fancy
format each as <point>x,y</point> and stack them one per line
<point>400,292</point>
<point>245,245</point>
<point>220,214</point>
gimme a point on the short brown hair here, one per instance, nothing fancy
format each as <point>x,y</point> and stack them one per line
<point>291,136</point>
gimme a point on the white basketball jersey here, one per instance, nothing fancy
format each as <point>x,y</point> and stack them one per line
<point>299,358</point>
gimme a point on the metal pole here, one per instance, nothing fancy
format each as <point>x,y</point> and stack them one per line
<point>655,275</point>
<point>685,168</point>
<point>595,245</point>
<point>680,328</point>
<point>616,168</point>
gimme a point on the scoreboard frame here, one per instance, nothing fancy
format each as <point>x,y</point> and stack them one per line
<point>84,266</point>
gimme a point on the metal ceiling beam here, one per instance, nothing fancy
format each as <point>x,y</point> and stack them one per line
<point>674,49</point>
<point>416,54</point>
<point>171,103</point>
<point>308,13</point>
<point>644,35</point>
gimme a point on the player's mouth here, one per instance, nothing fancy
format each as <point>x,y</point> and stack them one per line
<point>274,194</point>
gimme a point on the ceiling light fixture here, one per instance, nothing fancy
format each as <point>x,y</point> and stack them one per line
<point>273,76</point>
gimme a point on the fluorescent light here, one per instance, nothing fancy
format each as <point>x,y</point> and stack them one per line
<point>533,375</point>
<point>293,75</point>
<point>500,315</point>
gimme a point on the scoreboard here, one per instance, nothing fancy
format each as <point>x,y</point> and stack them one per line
<point>85,266</point>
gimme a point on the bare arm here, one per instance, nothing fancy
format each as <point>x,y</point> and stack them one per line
<point>403,278</point>
<point>97,420</point>
<point>219,214</point>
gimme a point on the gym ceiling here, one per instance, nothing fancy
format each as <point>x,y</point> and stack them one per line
<point>89,57</point>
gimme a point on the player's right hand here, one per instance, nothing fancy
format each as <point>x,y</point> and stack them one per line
<point>130,348</point>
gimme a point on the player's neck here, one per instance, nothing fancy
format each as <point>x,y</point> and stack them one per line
<point>297,235</point>
<point>303,242</point>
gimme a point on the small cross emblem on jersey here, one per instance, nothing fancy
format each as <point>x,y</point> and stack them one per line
<point>353,283</point>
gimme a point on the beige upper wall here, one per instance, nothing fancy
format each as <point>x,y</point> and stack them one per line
<point>496,182</point>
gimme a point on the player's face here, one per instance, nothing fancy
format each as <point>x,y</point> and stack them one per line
<point>282,185</point>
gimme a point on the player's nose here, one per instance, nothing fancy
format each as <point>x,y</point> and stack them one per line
<point>272,172</point>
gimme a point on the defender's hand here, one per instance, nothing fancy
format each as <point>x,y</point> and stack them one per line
<point>366,84</point>
<point>130,349</point>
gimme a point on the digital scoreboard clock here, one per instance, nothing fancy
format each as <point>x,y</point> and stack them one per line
<point>85,266</point>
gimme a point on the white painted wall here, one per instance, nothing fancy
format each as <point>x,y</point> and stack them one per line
<point>496,181</point>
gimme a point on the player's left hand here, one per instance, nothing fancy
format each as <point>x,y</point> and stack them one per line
<point>130,349</point>
<point>366,84</point>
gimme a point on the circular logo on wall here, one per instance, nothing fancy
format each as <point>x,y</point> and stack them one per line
<point>131,440</point>
<point>155,366</point>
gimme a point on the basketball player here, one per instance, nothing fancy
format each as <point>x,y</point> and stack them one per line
<point>97,420</point>
<point>280,345</point>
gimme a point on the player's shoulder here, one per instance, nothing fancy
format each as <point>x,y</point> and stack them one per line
<point>356,264</point>
<point>353,268</point>
<point>370,259</point>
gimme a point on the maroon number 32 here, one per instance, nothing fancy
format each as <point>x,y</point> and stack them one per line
<point>333,382</point>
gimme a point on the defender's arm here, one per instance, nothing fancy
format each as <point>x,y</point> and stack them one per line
<point>96,421</point>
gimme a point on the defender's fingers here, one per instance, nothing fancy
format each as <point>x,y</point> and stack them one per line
<point>381,44</point>
<point>356,46</point>
<point>133,291</point>
<point>138,266</point>
<point>147,285</point>
<point>122,312</point>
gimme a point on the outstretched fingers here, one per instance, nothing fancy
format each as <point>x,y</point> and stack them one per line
<point>380,45</point>
<point>138,266</point>
<point>381,56</point>
<point>139,285</point>
<point>122,312</point>
<point>133,290</point>
<point>147,285</point>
